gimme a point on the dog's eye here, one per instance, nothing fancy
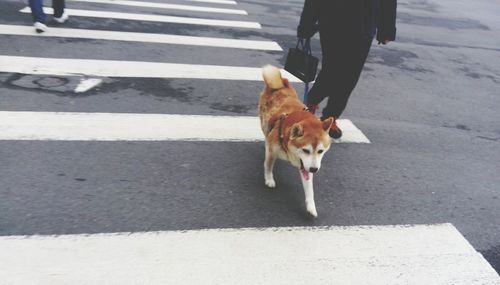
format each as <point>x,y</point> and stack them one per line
<point>306,151</point>
<point>320,151</point>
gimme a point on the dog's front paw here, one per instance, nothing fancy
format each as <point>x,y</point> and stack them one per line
<point>311,209</point>
<point>270,183</point>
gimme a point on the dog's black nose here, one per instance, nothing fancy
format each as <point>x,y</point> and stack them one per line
<point>313,169</point>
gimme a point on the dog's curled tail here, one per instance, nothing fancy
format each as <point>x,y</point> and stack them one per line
<point>272,77</point>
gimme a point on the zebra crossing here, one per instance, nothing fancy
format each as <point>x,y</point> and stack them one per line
<point>119,68</point>
<point>141,37</point>
<point>168,6</point>
<point>140,127</point>
<point>153,18</point>
<point>411,254</point>
<point>350,255</point>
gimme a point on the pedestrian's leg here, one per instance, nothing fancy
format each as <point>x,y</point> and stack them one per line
<point>37,11</point>
<point>347,72</point>
<point>58,6</point>
<point>337,102</point>
<point>318,92</point>
<point>321,88</point>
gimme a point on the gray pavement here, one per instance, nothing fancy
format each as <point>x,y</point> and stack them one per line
<point>429,103</point>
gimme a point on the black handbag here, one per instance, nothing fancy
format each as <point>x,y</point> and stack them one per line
<point>300,61</point>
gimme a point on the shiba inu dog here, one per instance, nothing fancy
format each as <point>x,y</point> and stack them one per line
<point>292,133</point>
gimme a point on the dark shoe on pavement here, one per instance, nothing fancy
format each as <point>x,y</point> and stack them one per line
<point>335,132</point>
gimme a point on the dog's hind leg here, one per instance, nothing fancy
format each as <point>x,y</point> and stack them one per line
<point>307,183</point>
<point>268,167</point>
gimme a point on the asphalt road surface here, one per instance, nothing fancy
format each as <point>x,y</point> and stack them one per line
<point>429,103</point>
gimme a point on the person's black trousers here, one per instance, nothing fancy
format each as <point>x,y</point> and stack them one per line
<point>342,63</point>
<point>58,6</point>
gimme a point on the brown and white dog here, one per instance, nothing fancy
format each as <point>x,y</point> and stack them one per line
<point>292,133</point>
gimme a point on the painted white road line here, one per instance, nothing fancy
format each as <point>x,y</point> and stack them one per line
<point>153,18</point>
<point>350,133</point>
<point>86,84</point>
<point>417,254</point>
<point>167,6</point>
<point>140,127</point>
<point>228,2</point>
<point>115,68</point>
<point>140,37</point>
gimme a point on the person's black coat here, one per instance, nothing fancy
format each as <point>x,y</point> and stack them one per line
<point>349,19</point>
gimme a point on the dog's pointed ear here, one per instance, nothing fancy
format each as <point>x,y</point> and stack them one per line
<point>297,131</point>
<point>327,123</point>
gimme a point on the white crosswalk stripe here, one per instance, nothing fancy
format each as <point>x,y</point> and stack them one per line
<point>140,127</point>
<point>141,37</point>
<point>226,2</point>
<point>117,68</point>
<point>153,18</point>
<point>418,254</point>
<point>166,6</point>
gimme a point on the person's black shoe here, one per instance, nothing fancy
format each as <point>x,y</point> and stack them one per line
<point>335,132</point>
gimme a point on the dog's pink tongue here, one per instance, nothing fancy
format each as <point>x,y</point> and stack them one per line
<point>305,173</point>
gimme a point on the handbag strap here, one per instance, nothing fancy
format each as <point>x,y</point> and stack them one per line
<point>305,45</point>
